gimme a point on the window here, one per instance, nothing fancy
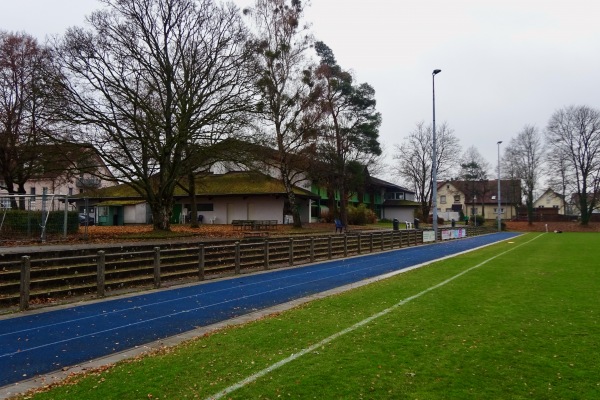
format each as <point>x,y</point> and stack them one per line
<point>442,199</point>
<point>205,207</point>
<point>457,198</point>
<point>70,191</point>
<point>394,196</point>
<point>32,190</point>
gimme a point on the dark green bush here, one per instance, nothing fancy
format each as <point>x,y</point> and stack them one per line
<point>29,223</point>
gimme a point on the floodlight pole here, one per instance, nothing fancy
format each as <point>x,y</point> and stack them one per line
<point>499,202</point>
<point>434,162</point>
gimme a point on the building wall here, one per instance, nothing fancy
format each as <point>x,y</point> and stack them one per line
<point>135,214</point>
<point>227,209</point>
<point>449,195</point>
<point>401,213</point>
<point>550,200</point>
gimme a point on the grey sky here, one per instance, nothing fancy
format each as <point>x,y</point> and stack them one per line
<point>504,63</point>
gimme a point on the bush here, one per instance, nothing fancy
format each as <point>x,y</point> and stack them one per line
<point>28,223</point>
<point>480,220</point>
<point>361,215</point>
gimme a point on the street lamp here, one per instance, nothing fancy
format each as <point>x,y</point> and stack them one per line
<point>499,203</point>
<point>434,161</point>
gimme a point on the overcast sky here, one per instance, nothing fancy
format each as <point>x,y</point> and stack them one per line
<point>504,63</point>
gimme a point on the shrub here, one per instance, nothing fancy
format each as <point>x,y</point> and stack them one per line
<point>29,223</point>
<point>361,215</point>
<point>480,220</point>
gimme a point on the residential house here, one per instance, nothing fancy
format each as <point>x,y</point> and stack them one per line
<point>551,199</point>
<point>591,197</point>
<point>459,198</point>
<point>67,170</point>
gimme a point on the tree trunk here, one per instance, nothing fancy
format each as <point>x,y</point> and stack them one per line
<point>343,206</point>
<point>331,204</point>
<point>529,202</point>
<point>22,203</point>
<point>162,210</point>
<point>583,206</point>
<point>193,203</point>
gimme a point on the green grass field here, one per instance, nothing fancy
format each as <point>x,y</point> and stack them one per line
<point>523,325</point>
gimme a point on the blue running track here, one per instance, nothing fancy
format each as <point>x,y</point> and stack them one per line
<point>40,343</point>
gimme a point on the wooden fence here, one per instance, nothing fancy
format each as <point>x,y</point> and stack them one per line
<point>50,275</point>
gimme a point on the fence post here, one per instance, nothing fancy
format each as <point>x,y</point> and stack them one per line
<point>345,244</point>
<point>329,247</point>
<point>201,261</point>
<point>312,249</point>
<point>266,255</point>
<point>100,273</point>
<point>156,267</point>
<point>291,252</point>
<point>25,283</point>
<point>371,242</point>
<point>237,258</point>
<point>44,215</point>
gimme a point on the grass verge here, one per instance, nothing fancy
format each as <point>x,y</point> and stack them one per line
<point>523,325</point>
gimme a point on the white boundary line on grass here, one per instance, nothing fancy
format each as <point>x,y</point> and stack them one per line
<point>365,321</point>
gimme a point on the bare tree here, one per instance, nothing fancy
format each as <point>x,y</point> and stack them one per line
<point>287,106</point>
<point>526,152</point>
<point>510,172</point>
<point>560,174</point>
<point>25,93</point>
<point>474,171</point>
<point>414,160</point>
<point>150,82</point>
<point>574,132</point>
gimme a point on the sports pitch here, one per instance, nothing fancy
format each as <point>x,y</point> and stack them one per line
<point>518,319</point>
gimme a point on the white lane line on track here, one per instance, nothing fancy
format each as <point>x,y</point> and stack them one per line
<point>162,316</point>
<point>354,327</point>
<point>346,262</point>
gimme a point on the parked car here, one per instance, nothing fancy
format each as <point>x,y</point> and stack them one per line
<point>83,218</point>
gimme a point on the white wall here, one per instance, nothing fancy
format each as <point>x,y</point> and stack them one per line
<point>134,214</point>
<point>226,209</point>
<point>402,214</point>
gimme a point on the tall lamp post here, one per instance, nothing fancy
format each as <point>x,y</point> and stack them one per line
<point>499,202</point>
<point>434,161</point>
